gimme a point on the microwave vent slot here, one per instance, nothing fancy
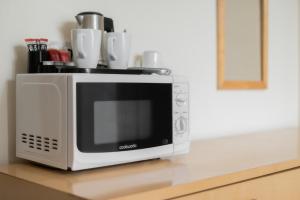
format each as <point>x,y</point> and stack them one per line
<point>39,143</point>
<point>24,138</point>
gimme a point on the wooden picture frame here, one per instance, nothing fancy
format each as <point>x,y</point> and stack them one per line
<point>221,54</point>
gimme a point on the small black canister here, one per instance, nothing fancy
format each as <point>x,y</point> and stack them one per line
<point>37,52</point>
<point>43,49</point>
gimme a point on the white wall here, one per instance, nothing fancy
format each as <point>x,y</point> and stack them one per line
<point>185,32</point>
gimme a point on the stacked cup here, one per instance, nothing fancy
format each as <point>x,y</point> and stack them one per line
<point>86,45</point>
<point>118,49</point>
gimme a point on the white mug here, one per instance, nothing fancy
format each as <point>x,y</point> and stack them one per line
<point>86,45</point>
<point>118,50</point>
<point>152,59</point>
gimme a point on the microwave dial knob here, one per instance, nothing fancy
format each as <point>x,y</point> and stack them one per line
<point>181,125</point>
<point>180,99</point>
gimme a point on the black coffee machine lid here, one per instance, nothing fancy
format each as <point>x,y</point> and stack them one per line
<point>108,25</point>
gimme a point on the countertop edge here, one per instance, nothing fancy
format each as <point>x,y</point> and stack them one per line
<point>194,186</point>
<point>213,182</point>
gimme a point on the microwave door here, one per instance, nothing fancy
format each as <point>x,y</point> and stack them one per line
<point>123,116</point>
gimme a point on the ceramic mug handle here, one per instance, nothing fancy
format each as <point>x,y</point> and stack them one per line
<point>110,48</point>
<point>80,39</point>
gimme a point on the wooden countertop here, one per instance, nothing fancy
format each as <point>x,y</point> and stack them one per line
<point>211,163</point>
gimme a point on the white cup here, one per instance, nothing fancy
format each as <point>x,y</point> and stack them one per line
<point>86,45</point>
<point>152,59</point>
<point>118,50</point>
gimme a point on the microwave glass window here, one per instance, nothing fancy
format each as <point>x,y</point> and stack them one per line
<point>122,121</point>
<point>123,116</point>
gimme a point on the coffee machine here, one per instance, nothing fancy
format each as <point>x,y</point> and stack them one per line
<point>95,20</point>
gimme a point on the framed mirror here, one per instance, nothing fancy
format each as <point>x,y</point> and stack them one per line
<point>242,44</point>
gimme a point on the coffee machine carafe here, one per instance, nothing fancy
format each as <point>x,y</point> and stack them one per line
<point>95,20</point>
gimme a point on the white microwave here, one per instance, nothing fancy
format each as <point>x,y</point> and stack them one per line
<point>80,121</point>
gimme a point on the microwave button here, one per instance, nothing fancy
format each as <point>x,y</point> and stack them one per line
<point>180,99</point>
<point>181,125</point>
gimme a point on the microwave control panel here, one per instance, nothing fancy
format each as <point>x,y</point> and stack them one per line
<point>181,112</point>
